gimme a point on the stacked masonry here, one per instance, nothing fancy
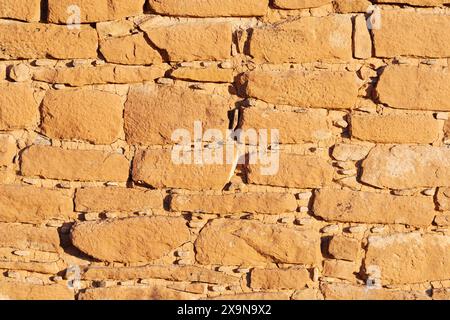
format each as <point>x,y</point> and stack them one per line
<point>93,207</point>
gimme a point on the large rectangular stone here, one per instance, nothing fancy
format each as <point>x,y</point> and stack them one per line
<point>300,4</point>
<point>79,165</point>
<point>406,167</point>
<point>295,171</point>
<point>409,33</point>
<point>396,128</point>
<point>25,10</point>
<point>368,207</point>
<point>26,236</point>
<point>306,89</point>
<point>276,279</point>
<point>344,291</point>
<point>82,114</point>
<point>419,88</point>
<point>61,11</point>
<point>117,199</point>
<point>19,109</point>
<point>252,243</point>
<point>212,8</point>
<point>158,169</point>
<point>38,40</point>
<point>191,41</point>
<point>33,205</point>
<point>409,257</point>
<point>14,290</point>
<point>294,127</point>
<point>153,114</point>
<point>275,203</point>
<point>307,39</point>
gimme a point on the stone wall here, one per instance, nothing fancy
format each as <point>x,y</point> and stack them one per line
<point>94,206</point>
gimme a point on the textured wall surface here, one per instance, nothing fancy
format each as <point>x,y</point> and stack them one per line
<point>93,204</point>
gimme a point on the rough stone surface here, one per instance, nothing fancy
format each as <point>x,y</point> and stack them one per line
<point>19,109</point>
<point>344,248</point>
<point>135,293</point>
<point>300,4</point>
<point>93,10</point>
<point>409,258</point>
<point>203,74</point>
<point>13,290</point>
<point>423,88</point>
<point>8,150</point>
<point>156,168</point>
<point>319,89</point>
<point>421,129</point>
<point>343,291</point>
<point>406,167</point>
<point>214,8</point>
<point>78,165</point>
<point>36,40</point>
<point>179,107</point>
<point>240,242</point>
<point>26,10</point>
<point>130,240</point>
<point>33,205</point>
<point>275,203</point>
<point>305,40</point>
<point>295,171</point>
<point>24,236</point>
<point>443,199</point>
<point>368,207</point>
<point>275,279</point>
<point>117,199</point>
<point>191,42</point>
<point>82,114</point>
<point>411,34</point>
<point>308,126</point>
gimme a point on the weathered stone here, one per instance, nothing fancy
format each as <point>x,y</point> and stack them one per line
<point>443,199</point>
<point>8,150</point>
<point>305,40</point>
<point>212,74</point>
<point>157,169</point>
<point>396,128</point>
<point>155,292</point>
<point>251,243</point>
<point>423,88</point>
<point>340,269</point>
<point>152,114</point>
<point>421,3</point>
<point>407,167</point>
<point>295,171</point>
<point>85,75</point>
<point>348,6</point>
<point>59,11</point>
<point>350,152</point>
<point>300,4</point>
<point>409,257</point>
<point>132,49</point>
<point>36,40</point>
<point>343,291</point>
<point>24,236</point>
<point>39,267</point>
<point>255,296</point>
<point>214,8</point>
<point>82,114</point>
<point>275,279</point>
<point>318,89</point>
<point>293,127</point>
<point>344,248</point>
<point>171,273</point>
<point>406,33</point>
<point>26,10</point>
<point>13,290</point>
<point>441,294</point>
<point>19,109</point>
<point>362,42</point>
<point>33,205</point>
<point>79,165</point>
<point>192,41</point>
<point>368,207</point>
<point>275,203</point>
<point>130,240</point>
<point>117,199</point>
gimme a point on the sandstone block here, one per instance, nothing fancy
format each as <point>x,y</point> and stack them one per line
<point>19,108</point>
<point>78,165</point>
<point>276,279</point>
